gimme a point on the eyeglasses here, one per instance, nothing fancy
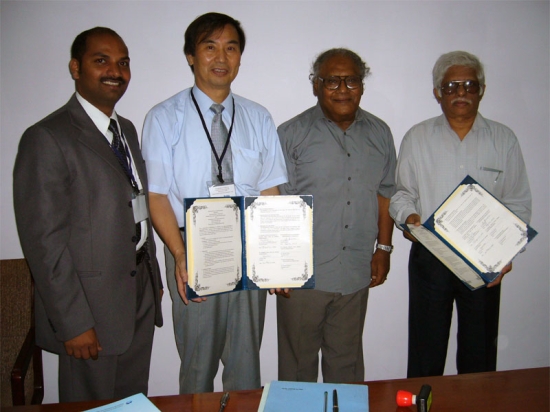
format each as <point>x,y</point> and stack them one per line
<point>333,82</point>
<point>471,86</point>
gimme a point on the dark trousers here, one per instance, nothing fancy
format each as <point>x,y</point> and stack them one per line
<point>116,376</point>
<point>432,290</point>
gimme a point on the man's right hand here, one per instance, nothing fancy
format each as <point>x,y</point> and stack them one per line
<point>413,219</point>
<point>166,225</point>
<point>84,346</point>
<point>182,278</point>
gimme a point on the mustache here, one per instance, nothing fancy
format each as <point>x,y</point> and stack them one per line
<point>114,79</point>
<point>461,99</point>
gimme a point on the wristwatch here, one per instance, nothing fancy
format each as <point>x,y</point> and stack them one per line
<point>386,248</point>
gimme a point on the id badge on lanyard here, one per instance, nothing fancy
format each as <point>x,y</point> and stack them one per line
<point>225,189</point>
<point>139,207</point>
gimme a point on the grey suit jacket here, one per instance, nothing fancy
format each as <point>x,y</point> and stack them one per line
<point>75,222</point>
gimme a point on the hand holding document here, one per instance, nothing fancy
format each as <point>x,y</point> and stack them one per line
<point>256,242</point>
<point>473,234</point>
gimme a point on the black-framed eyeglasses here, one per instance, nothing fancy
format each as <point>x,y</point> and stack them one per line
<point>471,86</point>
<point>333,82</point>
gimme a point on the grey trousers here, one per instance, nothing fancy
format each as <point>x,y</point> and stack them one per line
<point>313,320</point>
<point>225,327</point>
<point>117,376</point>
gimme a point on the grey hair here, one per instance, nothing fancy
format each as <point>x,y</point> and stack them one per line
<point>364,70</point>
<point>457,58</point>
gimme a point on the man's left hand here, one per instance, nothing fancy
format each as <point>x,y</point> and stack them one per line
<point>281,292</point>
<point>380,266</point>
<point>504,271</point>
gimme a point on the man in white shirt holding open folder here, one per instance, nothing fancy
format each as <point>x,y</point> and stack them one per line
<point>179,146</point>
<point>434,158</point>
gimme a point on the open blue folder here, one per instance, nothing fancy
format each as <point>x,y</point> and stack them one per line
<point>473,234</point>
<point>281,396</point>
<point>247,243</point>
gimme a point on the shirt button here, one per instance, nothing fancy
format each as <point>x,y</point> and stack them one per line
<point>349,178</point>
<point>133,273</point>
<point>346,226</point>
<point>349,202</point>
<point>344,248</point>
<point>349,155</point>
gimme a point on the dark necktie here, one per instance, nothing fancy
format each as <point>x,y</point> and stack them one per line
<point>219,139</point>
<point>117,145</point>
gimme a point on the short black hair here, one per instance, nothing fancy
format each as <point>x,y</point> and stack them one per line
<point>78,47</point>
<point>203,26</point>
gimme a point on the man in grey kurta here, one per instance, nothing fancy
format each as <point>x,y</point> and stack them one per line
<point>344,157</point>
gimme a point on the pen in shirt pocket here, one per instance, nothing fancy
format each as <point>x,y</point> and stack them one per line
<point>490,169</point>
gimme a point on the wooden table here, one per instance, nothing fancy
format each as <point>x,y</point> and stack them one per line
<point>524,390</point>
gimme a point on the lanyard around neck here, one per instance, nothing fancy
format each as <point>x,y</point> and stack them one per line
<point>218,158</point>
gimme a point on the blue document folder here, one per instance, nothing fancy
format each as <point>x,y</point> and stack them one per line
<point>473,234</point>
<point>282,396</point>
<point>135,403</point>
<point>247,243</point>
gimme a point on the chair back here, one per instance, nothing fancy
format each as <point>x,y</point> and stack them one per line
<point>17,332</point>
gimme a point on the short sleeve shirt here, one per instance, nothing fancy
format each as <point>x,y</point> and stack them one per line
<point>345,171</point>
<point>178,155</point>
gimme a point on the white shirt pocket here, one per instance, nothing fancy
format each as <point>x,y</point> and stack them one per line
<point>247,169</point>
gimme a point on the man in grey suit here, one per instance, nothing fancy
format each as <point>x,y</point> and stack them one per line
<point>80,197</point>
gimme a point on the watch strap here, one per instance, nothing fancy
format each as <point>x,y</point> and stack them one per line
<point>387,248</point>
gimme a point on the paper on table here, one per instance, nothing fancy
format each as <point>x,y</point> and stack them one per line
<point>282,396</point>
<point>135,403</point>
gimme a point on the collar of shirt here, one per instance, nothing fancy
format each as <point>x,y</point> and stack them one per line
<point>100,119</point>
<point>479,123</point>
<point>102,122</point>
<point>205,102</point>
